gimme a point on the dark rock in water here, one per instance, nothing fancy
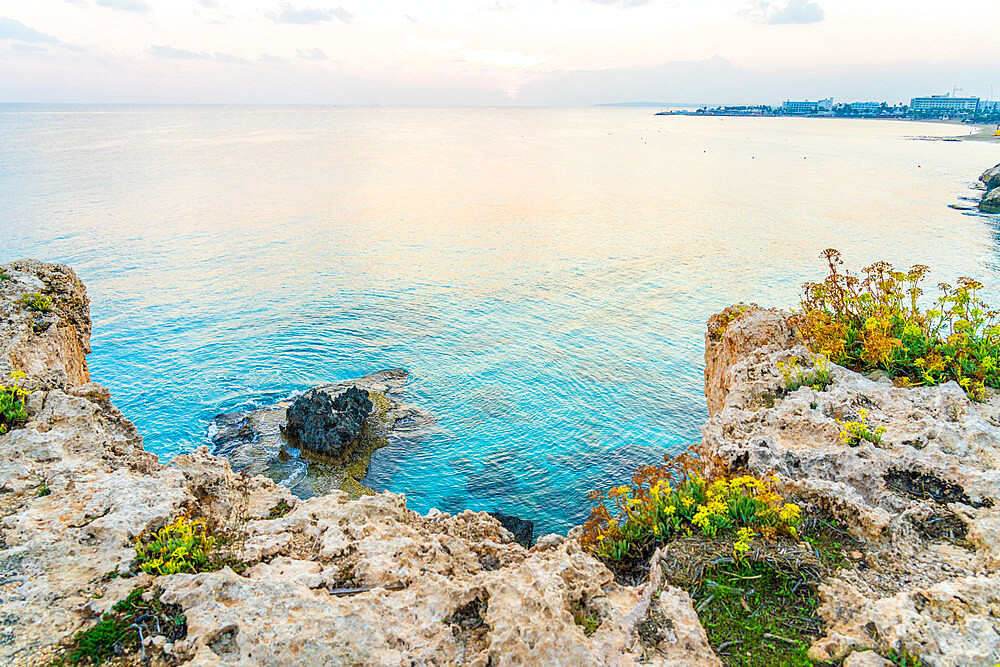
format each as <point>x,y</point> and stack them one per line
<point>256,441</point>
<point>991,201</point>
<point>522,529</point>
<point>327,420</point>
<point>991,178</point>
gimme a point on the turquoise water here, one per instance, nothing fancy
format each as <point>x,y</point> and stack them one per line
<point>544,275</point>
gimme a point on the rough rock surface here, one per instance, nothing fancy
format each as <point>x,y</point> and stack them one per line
<point>256,443</point>
<point>990,203</point>
<point>335,581</point>
<point>326,420</point>
<point>923,501</point>
<point>991,178</point>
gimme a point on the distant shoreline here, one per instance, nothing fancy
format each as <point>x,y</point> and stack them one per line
<point>977,131</point>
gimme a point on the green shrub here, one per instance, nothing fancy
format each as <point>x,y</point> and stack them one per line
<point>875,322</point>
<point>119,632</point>
<point>819,377</point>
<point>37,302</point>
<point>4,276</point>
<point>719,323</point>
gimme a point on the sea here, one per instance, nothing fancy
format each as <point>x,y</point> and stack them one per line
<point>544,275</point>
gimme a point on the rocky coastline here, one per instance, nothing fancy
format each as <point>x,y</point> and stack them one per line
<point>350,577</point>
<point>990,203</point>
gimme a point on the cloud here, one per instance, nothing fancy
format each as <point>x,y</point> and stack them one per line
<point>503,59</point>
<point>310,15</point>
<point>499,7</point>
<point>795,12</point>
<point>125,5</point>
<point>622,3</point>
<point>18,32</point>
<point>312,54</point>
<point>164,51</point>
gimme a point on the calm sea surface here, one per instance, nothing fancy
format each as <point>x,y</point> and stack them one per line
<point>544,275</point>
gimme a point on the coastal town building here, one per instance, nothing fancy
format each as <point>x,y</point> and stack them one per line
<point>866,108</point>
<point>989,107</point>
<point>805,107</point>
<point>943,104</point>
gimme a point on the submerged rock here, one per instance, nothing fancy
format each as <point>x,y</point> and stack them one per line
<point>522,529</point>
<point>990,202</point>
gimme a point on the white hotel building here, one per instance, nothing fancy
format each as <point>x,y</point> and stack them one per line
<point>943,104</point>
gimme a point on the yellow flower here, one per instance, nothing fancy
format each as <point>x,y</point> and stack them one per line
<point>18,375</point>
<point>670,510</point>
<point>789,512</point>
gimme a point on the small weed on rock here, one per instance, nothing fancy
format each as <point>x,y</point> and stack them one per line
<point>122,631</point>
<point>37,302</point>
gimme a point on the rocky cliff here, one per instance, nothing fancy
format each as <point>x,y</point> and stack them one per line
<point>990,202</point>
<point>331,580</point>
<point>922,501</point>
<point>327,580</point>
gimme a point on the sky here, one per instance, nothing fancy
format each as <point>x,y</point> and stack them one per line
<point>495,52</point>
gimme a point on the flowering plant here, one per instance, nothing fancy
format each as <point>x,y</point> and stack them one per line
<point>13,404</point>
<point>876,322</point>
<point>181,546</point>
<point>663,502</point>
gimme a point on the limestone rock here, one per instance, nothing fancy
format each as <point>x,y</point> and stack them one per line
<point>923,500</point>
<point>332,581</point>
<point>734,336</point>
<point>866,659</point>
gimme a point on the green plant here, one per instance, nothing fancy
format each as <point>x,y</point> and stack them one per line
<point>718,324</point>
<point>756,615</point>
<point>181,546</point>
<point>43,490</point>
<point>819,377</point>
<point>4,276</point>
<point>665,501</point>
<point>122,630</point>
<point>904,658</point>
<point>281,509</point>
<point>589,623</point>
<point>13,404</point>
<point>876,322</point>
<point>37,302</point>
<point>853,433</point>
